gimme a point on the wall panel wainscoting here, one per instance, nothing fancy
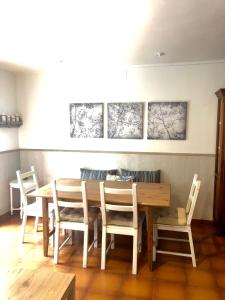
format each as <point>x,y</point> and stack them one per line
<point>176,169</point>
<point>9,163</point>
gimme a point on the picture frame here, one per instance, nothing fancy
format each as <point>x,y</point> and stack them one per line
<point>125,120</point>
<point>86,120</point>
<point>167,120</point>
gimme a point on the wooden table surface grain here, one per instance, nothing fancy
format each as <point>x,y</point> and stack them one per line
<point>38,284</point>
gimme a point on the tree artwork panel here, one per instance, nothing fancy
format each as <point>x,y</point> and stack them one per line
<point>125,120</point>
<point>167,120</point>
<point>86,120</point>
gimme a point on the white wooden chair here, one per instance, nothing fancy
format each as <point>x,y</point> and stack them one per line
<point>120,219</point>
<point>181,222</point>
<point>32,209</point>
<point>172,210</point>
<point>73,216</point>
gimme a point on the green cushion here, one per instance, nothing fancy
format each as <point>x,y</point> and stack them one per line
<point>88,174</point>
<point>142,176</point>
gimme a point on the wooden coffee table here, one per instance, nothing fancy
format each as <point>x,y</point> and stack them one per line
<point>39,284</point>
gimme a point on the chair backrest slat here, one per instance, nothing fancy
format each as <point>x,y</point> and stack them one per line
<point>191,193</point>
<point>58,201</point>
<point>27,182</point>
<point>70,204</point>
<point>119,207</point>
<point>193,199</point>
<point>69,188</point>
<point>131,207</point>
<point>115,191</point>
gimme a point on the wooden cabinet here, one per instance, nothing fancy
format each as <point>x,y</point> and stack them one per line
<point>219,185</point>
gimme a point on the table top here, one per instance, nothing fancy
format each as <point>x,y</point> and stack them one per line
<point>148,194</point>
<point>37,284</point>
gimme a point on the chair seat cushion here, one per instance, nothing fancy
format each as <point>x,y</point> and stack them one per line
<point>175,216</point>
<point>77,214</point>
<point>123,218</point>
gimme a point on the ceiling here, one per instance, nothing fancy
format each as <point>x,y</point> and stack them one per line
<point>39,34</point>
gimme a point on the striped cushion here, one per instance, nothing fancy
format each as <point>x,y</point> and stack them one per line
<point>142,176</point>
<point>88,174</point>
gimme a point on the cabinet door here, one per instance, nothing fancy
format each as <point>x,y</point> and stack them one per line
<point>219,188</point>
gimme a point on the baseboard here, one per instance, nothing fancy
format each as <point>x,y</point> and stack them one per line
<point>4,211</point>
<point>205,222</point>
<point>5,216</point>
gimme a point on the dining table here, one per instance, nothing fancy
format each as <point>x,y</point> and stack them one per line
<point>149,196</point>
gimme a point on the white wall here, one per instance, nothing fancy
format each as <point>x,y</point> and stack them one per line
<point>9,160</point>
<point>8,104</point>
<point>44,104</point>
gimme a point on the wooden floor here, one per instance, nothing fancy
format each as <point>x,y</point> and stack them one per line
<point>173,277</point>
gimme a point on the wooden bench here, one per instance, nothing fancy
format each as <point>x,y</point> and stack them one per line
<point>40,284</point>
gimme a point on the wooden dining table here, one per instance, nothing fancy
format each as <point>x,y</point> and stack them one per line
<point>149,195</point>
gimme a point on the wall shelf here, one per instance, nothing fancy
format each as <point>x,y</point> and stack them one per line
<point>10,121</point>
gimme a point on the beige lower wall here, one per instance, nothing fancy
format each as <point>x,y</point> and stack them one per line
<point>9,163</point>
<point>176,169</point>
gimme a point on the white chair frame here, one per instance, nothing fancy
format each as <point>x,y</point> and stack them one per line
<point>179,228</point>
<point>72,225</point>
<point>135,230</point>
<point>33,209</point>
<point>193,185</point>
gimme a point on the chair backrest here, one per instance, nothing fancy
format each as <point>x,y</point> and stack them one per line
<point>27,182</point>
<point>105,193</point>
<point>59,191</point>
<point>191,193</point>
<point>193,199</point>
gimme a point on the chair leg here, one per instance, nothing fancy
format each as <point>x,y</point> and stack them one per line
<point>103,254</point>
<point>56,246</point>
<point>36,224</point>
<point>192,247</point>
<point>21,208</point>
<point>11,200</point>
<point>155,233</point>
<point>85,247</point>
<point>96,233</point>
<point>156,236</point>
<point>140,239</point>
<point>70,234</point>
<point>135,246</point>
<point>112,236</point>
<point>24,221</point>
<point>52,238</point>
<point>146,219</point>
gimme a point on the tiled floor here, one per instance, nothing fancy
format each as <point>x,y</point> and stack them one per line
<point>173,277</point>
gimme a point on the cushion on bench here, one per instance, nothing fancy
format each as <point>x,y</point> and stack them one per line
<point>142,176</point>
<point>88,174</point>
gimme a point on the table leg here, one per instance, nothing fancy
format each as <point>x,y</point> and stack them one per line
<point>45,226</point>
<point>21,207</point>
<point>70,293</point>
<point>149,236</point>
<point>11,200</point>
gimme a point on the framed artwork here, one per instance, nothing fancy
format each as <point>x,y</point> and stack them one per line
<point>167,120</point>
<point>86,120</point>
<point>125,120</point>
